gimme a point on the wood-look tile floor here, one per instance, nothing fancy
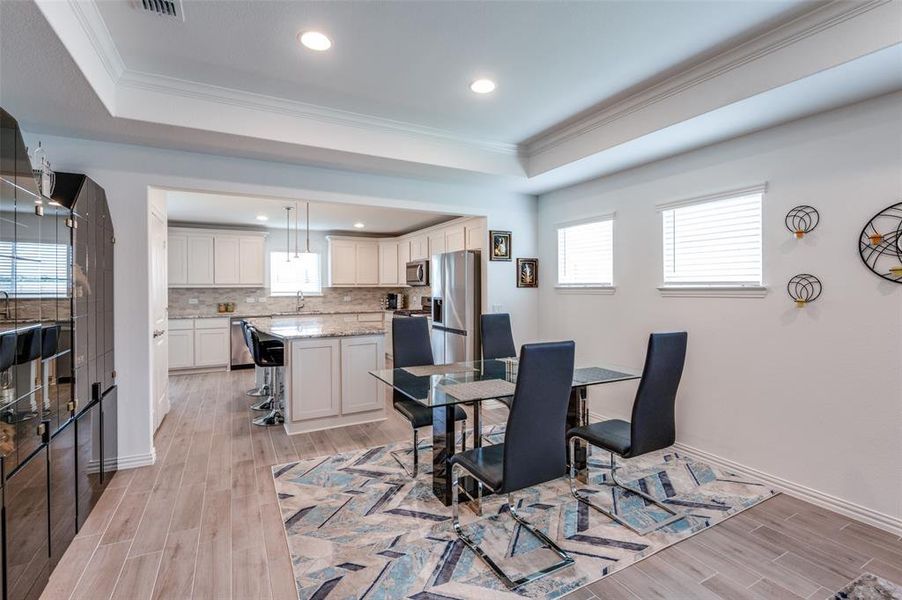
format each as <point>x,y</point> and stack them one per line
<point>204,522</point>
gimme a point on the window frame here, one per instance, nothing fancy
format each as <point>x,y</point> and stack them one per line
<point>714,289</point>
<point>585,288</point>
<point>275,294</point>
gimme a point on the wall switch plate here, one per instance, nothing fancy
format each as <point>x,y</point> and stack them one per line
<point>497,308</point>
<point>262,299</point>
<point>250,300</point>
<point>192,300</point>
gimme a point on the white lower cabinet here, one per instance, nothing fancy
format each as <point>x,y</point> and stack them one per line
<point>199,343</point>
<point>315,378</point>
<point>330,378</point>
<point>360,391</point>
<point>181,349</point>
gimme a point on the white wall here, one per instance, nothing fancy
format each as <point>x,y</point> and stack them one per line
<point>126,172</point>
<point>813,395</point>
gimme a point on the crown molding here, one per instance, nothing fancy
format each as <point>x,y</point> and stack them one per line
<point>166,85</point>
<point>816,21</point>
<point>88,16</point>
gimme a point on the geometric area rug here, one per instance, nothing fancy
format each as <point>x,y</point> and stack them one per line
<point>359,527</point>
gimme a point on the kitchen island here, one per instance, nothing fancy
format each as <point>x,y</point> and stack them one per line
<point>327,365</point>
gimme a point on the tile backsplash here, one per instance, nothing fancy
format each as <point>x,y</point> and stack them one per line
<point>333,299</point>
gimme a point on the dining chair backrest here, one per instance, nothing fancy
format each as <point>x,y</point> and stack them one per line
<point>534,448</point>
<point>411,344</point>
<point>497,339</point>
<point>652,426</point>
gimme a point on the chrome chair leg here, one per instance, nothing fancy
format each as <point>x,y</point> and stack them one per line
<point>674,515</point>
<point>416,455</point>
<point>264,390</point>
<point>274,416</point>
<point>511,584</point>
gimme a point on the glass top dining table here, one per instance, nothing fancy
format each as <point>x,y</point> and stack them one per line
<point>444,385</point>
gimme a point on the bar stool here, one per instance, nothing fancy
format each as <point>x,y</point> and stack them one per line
<point>28,349</point>
<point>264,391</point>
<point>269,355</point>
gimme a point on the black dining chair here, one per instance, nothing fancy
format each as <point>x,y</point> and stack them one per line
<point>532,451</point>
<point>412,347</point>
<point>497,341</point>
<point>650,428</point>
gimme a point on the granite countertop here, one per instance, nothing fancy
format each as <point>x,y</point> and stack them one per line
<point>325,326</point>
<point>245,315</point>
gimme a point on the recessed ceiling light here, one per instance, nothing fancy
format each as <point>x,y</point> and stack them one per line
<point>483,86</point>
<point>262,218</point>
<point>359,225</point>
<point>315,40</point>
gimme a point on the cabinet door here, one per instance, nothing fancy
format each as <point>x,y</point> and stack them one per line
<point>88,483</point>
<point>419,248</point>
<point>367,263</point>
<point>181,349</point>
<point>211,347</point>
<point>315,367</point>
<point>250,261</point>
<point>455,239</point>
<point>109,425</point>
<point>360,391</point>
<point>226,262</point>
<point>177,253</point>
<point>388,263</point>
<point>26,495</point>
<point>63,517</point>
<point>436,243</point>
<point>200,260</point>
<point>403,259</point>
<point>475,237</point>
<point>342,262</point>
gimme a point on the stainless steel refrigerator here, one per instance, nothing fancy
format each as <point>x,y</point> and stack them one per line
<point>456,295</point>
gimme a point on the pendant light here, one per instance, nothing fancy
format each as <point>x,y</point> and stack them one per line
<point>296,234</point>
<point>287,234</point>
<point>307,247</point>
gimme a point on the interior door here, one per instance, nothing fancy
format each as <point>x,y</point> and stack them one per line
<point>159,298</point>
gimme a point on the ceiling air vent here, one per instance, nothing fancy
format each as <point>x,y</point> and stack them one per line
<point>163,8</point>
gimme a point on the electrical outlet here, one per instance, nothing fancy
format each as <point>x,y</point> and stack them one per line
<point>262,299</point>
<point>250,300</point>
<point>192,300</point>
<point>497,308</point>
<point>347,298</point>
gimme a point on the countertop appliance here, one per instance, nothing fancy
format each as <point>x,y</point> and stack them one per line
<point>456,300</point>
<point>391,301</point>
<point>418,273</point>
<point>240,353</point>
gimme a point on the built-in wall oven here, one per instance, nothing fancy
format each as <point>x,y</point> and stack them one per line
<point>418,273</point>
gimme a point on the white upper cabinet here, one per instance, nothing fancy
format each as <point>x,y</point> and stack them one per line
<point>206,258</point>
<point>436,243</point>
<point>251,260</point>
<point>177,252</point>
<point>419,247</point>
<point>200,260</point>
<point>367,263</point>
<point>342,262</point>
<point>403,259</point>
<point>225,265</point>
<point>388,263</point>
<point>455,239</point>
<point>476,235</point>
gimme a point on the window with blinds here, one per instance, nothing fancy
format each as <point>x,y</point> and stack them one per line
<point>586,254</point>
<point>714,242</point>
<point>34,269</point>
<point>288,275</point>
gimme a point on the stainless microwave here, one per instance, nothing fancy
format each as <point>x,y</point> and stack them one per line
<point>418,273</point>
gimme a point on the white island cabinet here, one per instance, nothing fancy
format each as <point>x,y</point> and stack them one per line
<point>327,371</point>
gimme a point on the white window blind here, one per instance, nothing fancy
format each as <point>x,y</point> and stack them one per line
<point>714,243</point>
<point>34,269</point>
<point>586,254</point>
<point>288,274</point>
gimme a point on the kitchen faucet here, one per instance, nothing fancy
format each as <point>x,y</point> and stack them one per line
<point>300,301</point>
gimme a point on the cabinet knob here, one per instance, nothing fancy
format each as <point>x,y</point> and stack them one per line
<point>71,406</point>
<point>42,429</point>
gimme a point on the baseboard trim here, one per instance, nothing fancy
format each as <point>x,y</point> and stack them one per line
<point>803,492</point>
<point>126,462</point>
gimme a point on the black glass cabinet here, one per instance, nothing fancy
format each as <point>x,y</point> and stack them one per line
<point>58,394</point>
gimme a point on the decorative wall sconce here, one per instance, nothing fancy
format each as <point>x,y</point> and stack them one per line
<point>880,244</point>
<point>802,219</point>
<point>804,288</point>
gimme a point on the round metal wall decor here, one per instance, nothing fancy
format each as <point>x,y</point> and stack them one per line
<point>880,244</point>
<point>802,219</point>
<point>804,288</point>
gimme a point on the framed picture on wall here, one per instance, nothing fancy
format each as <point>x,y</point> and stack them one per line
<point>500,245</point>
<point>527,272</point>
